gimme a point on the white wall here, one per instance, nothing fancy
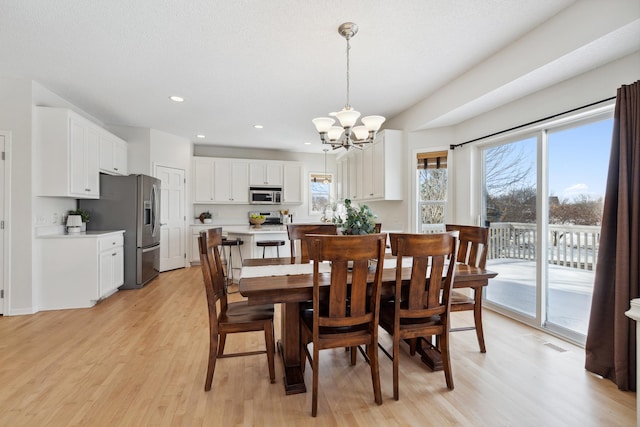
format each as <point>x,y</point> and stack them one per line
<point>15,117</point>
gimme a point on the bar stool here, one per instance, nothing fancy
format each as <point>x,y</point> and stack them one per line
<point>270,243</point>
<point>230,243</point>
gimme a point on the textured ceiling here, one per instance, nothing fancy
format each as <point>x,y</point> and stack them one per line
<point>278,63</point>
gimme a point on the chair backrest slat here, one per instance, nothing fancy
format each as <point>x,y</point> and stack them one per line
<point>298,233</point>
<point>349,302</point>
<point>433,257</point>
<point>209,242</point>
<point>474,244</point>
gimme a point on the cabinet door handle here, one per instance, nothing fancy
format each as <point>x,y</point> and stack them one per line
<point>113,254</point>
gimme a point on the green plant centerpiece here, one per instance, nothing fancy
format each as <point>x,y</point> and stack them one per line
<point>83,214</point>
<point>352,219</point>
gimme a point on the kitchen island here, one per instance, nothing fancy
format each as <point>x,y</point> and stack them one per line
<point>250,235</point>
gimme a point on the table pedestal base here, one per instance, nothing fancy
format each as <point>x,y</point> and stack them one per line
<point>293,376</point>
<point>430,356</point>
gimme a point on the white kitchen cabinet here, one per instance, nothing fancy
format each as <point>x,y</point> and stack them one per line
<point>382,166</point>
<point>77,271</point>
<point>355,175</point>
<point>343,178</point>
<point>265,173</point>
<point>111,264</point>
<point>66,154</point>
<point>293,189</point>
<point>113,154</point>
<point>203,179</point>
<point>230,181</point>
<point>217,180</point>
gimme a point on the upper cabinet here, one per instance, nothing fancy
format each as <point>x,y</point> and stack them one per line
<point>354,180</point>
<point>373,173</point>
<point>293,183</point>
<point>66,154</point>
<point>113,154</point>
<point>381,167</point>
<point>220,180</point>
<point>265,173</point>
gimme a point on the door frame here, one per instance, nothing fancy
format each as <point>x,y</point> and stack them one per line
<point>6,214</point>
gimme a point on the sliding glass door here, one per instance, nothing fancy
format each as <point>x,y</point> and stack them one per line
<point>510,190</point>
<point>543,196</point>
<point>578,160</point>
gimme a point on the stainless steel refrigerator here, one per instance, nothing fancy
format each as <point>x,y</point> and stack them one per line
<point>130,203</point>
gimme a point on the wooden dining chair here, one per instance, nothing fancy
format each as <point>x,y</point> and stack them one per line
<point>298,232</point>
<point>420,309</point>
<point>344,314</point>
<point>230,317</point>
<point>472,250</point>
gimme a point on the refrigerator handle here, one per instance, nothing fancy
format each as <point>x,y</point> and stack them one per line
<point>154,209</point>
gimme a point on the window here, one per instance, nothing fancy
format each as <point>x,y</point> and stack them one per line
<point>321,191</point>
<point>432,190</point>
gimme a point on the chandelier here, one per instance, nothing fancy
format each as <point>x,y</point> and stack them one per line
<point>347,135</point>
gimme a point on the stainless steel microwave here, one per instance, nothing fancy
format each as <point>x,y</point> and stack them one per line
<point>265,195</point>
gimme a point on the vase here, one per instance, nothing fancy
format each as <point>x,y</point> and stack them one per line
<point>207,221</point>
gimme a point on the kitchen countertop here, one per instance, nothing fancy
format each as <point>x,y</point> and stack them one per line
<point>251,230</point>
<point>83,234</point>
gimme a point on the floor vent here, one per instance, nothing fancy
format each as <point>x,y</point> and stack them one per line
<point>555,347</point>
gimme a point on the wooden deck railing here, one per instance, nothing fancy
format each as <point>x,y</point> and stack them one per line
<point>573,246</point>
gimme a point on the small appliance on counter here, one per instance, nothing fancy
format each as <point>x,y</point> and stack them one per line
<point>270,218</point>
<point>74,223</point>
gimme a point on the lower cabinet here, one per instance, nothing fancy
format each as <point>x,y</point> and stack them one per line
<point>111,268</point>
<point>79,270</point>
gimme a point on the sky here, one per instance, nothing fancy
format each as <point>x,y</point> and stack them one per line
<point>578,159</point>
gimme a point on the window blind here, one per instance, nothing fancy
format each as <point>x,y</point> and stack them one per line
<point>432,160</point>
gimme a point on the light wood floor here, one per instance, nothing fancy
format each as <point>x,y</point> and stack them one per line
<point>139,358</point>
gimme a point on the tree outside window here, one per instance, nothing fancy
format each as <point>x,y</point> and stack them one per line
<point>432,189</point>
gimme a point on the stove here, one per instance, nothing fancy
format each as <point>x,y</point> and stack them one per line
<point>271,218</point>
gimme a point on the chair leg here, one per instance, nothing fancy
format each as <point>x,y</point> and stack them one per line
<point>412,346</point>
<point>213,350</point>
<point>354,354</point>
<point>315,366</point>
<point>269,343</point>
<point>446,359</point>
<point>477,316</point>
<point>396,361</point>
<point>221,343</point>
<point>375,371</point>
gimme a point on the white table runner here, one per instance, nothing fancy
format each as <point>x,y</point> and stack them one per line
<point>282,270</point>
<point>296,269</point>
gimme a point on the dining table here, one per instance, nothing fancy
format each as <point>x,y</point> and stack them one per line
<point>289,282</point>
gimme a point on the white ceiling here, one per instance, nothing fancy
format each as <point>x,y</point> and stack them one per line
<point>278,63</point>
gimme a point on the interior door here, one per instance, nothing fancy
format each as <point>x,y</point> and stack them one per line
<point>172,218</point>
<point>3,138</point>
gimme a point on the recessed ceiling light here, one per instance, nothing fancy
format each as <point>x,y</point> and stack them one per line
<point>175,98</point>
<point>258,126</point>
<point>201,136</point>
<point>307,143</point>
